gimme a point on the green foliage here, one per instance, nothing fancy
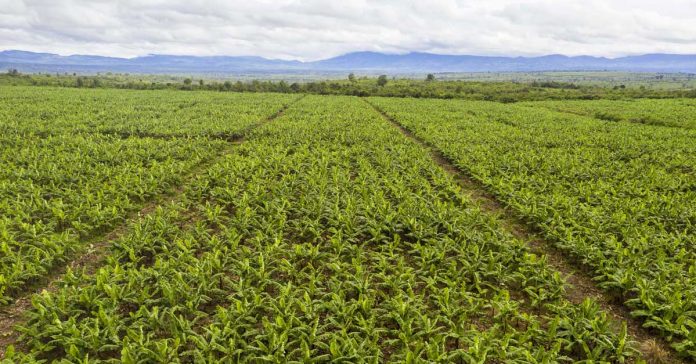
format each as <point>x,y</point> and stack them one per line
<point>48,110</point>
<point>674,113</point>
<point>618,196</point>
<point>58,191</point>
<point>326,236</point>
<point>72,165</point>
<point>489,88</point>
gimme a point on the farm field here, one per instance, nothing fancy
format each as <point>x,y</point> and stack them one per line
<point>172,226</point>
<point>620,197</point>
<point>60,190</point>
<point>675,113</point>
<point>54,110</point>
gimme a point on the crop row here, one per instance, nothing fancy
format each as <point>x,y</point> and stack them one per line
<point>672,112</point>
<point>56,192</point>
<point>34,110</point>
<point>63,181</point>
<point>325,236</point>
<point>620,197</point>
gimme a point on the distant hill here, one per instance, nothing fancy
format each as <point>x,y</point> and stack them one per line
<point>366,62</point>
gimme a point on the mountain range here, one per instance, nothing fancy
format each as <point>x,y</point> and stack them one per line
<point>363,62</point>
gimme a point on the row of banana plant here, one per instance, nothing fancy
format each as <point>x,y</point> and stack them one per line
<point>59,191</point>
<point>46,110</point>
<point>65,179</point>
<point>620,197</point>
<point>674,112</point>
<point>327,236</point>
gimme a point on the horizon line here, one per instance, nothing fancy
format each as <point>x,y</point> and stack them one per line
<point>353,52</point>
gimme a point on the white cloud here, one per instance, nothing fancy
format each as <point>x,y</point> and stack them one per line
<point>314,29</point>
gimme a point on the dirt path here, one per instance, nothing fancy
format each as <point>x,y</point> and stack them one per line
<point>97,249</point>
<point>579,278</point>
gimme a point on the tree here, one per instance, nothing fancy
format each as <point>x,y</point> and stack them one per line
<point>80,82</point>
<point>13,72</point>
<point>430,77</point>
<point>201,83</point>
<point>351,77</point>
<point>188,81</point>
<point>382,80</point>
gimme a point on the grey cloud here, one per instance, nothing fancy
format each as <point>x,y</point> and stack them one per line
<point>313,29</point>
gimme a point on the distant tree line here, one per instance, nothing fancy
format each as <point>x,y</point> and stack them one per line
<point>428,87</point>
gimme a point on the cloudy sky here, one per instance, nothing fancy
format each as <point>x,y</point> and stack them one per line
<point>315,29</point>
